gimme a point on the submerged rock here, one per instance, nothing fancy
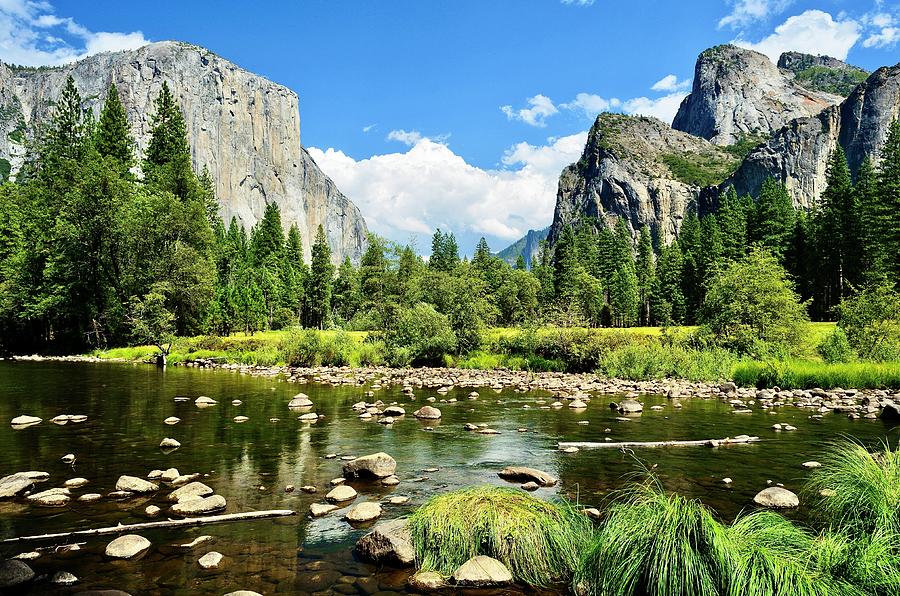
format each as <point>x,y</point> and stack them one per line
<point>15,484</point>
<point>127,546</point>
<point>776,497</point>
<point>481,571</point>
<point>426,581</point>
<point>200,506</point>
<point>388,543</point>
<point>132,484</point>
<point>523,474</point>
<point>63,578</point>
<point>630,406</point>
<point>364,512</point>
<point>25,420</point>
<point>320,509</point>
<point>14,573</point>
<point>169,443</point>
<point>427,413</point>
<point>376,465</point>
<point>54,497</point>
<point>211,560</point>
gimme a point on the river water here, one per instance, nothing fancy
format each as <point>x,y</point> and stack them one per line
<point>251,463</point>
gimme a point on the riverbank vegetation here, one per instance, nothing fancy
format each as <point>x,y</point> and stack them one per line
<point>100,251</point>
<point>651,542</point>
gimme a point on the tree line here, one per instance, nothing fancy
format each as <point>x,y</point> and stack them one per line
<point>97,249</point>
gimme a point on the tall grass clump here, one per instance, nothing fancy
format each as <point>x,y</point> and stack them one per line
<point>862,488</point>
<point>655,544</point>
<point>867,564</point>
<point>539,542</point>
<point>806,374</point>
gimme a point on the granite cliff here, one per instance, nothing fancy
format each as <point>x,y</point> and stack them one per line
<point>243,127</point>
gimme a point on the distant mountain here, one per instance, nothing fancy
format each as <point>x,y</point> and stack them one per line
<point>527,246</point>
<point>823,73</point>
<point>243,127</point>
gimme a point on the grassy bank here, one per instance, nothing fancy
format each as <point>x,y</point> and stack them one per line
<point>641,353</point>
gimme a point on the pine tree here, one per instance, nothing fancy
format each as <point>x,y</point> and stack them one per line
<point>607,261</point>
<point>520,263</point>
<point>319,283</point>
<point>887,207</point>
<point>645,270</point>
<point>732,216</point>
<point>481,260</point>
<point>669,302</point>
<point>837,242</point>
<point>438,261</point>
<point>346,294</point>
<point>773,219</point>
<point>267,237</point>
<point>206,189</point>
<point>691,276</point>
<point>167,164</point>
<point>113,138</point>
<point>67,135</point>
<point>866,189</point>
<point>565,265</point>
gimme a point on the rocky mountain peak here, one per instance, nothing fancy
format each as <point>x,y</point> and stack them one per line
<point>739,93</point>
<point>822,73</point>
<point>243,127</point>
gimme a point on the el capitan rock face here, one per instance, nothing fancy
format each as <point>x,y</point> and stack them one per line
<point>740,93</point>
<point>243,127</point>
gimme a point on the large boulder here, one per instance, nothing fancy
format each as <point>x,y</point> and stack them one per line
<point>388,543</point>
<point>133,484</point>
<point>54,497</point>
<point>377,465</point>
<point>127,546</point>
<point>481,572</point>
<point>192,490</point>
<point>14,573</point>
<point>427,413</point>
<point>523,474</point>
<point>15,484</point>
<point>776,497</point>
<point>890,411</point>
<point>200,506</point>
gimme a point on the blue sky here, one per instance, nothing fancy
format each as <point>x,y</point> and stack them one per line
<point>458,114</point>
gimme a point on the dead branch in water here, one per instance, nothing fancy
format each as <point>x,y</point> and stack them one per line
<point>633,444</point>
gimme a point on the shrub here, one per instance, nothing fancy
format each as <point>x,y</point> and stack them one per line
<point>752,301</point>
<point>301,347</point>
<point>835,347</point>
<point>871,320</point>
<point>418,336</point>
<point>538,541</point>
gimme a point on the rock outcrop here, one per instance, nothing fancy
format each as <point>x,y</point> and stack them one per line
<point>642,170</point>
<point>528,246</point>
<point>244,128</point>
<point>797,155</point>
<point>739,94</point>
<point>822,73</point>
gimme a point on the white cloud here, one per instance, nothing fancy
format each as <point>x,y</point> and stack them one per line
<point>430,186</point>
<point>664,107</point>
<point>578,2</point>
<point>407,137</point>
<point>369,127</point>
<point>884,30</point>
<point>591,105</point>
<point>813,32</point>
<point>32,35</point>
<point>745,12</point>
<point>541,108</point>
<point>670,83</point>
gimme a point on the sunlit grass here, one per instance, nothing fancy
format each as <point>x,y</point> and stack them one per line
<point>806,374</point>
<point>539,542</point>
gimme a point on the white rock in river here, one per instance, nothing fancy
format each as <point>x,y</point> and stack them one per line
<point>17,483</point>
<point>376,465</point>
<point>341,493</point>
<point>127,546</point>
<point>172,420</point>
<point>776,497</point>
<point>193,490</point>
<point>240,419</point>
<point>576,404</point>
<point>90,497</point>
<point>482,571</point>
<point>75,482</point>
<point>63,578</point>
<point>211,560</point>
<point>205,401</point>
<point>152,510</point>
<point>199,506</point>
<point>169,475</point>
<point>364,512</point>
<point>132,484</point>
<point>25,420</point>
<point>55,497</point>
<point>169,443</point>
<point>320,509</point>
<point>68,458</point>
<point>427,413</point>
<point>301,400</point>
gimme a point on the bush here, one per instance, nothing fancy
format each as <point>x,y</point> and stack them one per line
<point>871,320</point>
<point>302,347</point>
<point>539,542</point>
<point>835,348</point>
<point>752,308</point>
<point>418,336</point>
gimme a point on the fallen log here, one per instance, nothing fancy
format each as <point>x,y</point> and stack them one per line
<point>738,440</point>
<point>171,523</point>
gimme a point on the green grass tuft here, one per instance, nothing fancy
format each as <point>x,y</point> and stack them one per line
<point>539,542</point>
<point>806,374</point>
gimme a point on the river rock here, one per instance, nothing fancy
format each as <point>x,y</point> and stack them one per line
<point>192,490</point>
<point>890,411</point>
<point>776,497</point>
<point>301,400</point>
<point>480,572</point>
<point>241,419</point>
<point>25,420</point>
<point>199,540</point>
<point>200,506</point>
<point>68,458</point>
<point>810,465</point>
<point>15,484</point>
<point>341,493</point>
<point>390,481</point>
<point>311,417</point>
<point>90,497</point>
<point>398,500</point>
<point>575,404</point>
<point>523,474</point>
<point>152,510</point>
<point>211,560</point>
<point>76,482</point>
<point>54,497</point>
<point>205,401</point>
<point>394,411</point>
<point>426,581</point>
<point>364,512</point>
<point>388,543</point>
<point>169,475</point>
<point>169,443</point>
<point>243,593</point>
<point>132,484</point>
<point>427,413</point>
<point>320,509</point>
<point>172,420</point>
<point>63,578</point>
<point>14,573</point>
<point>376,465</point>
<point>127,546</point>
<point>630,406</point>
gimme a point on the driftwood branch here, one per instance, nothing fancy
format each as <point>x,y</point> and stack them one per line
<point>636,444</point>
<point>171,523</point>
